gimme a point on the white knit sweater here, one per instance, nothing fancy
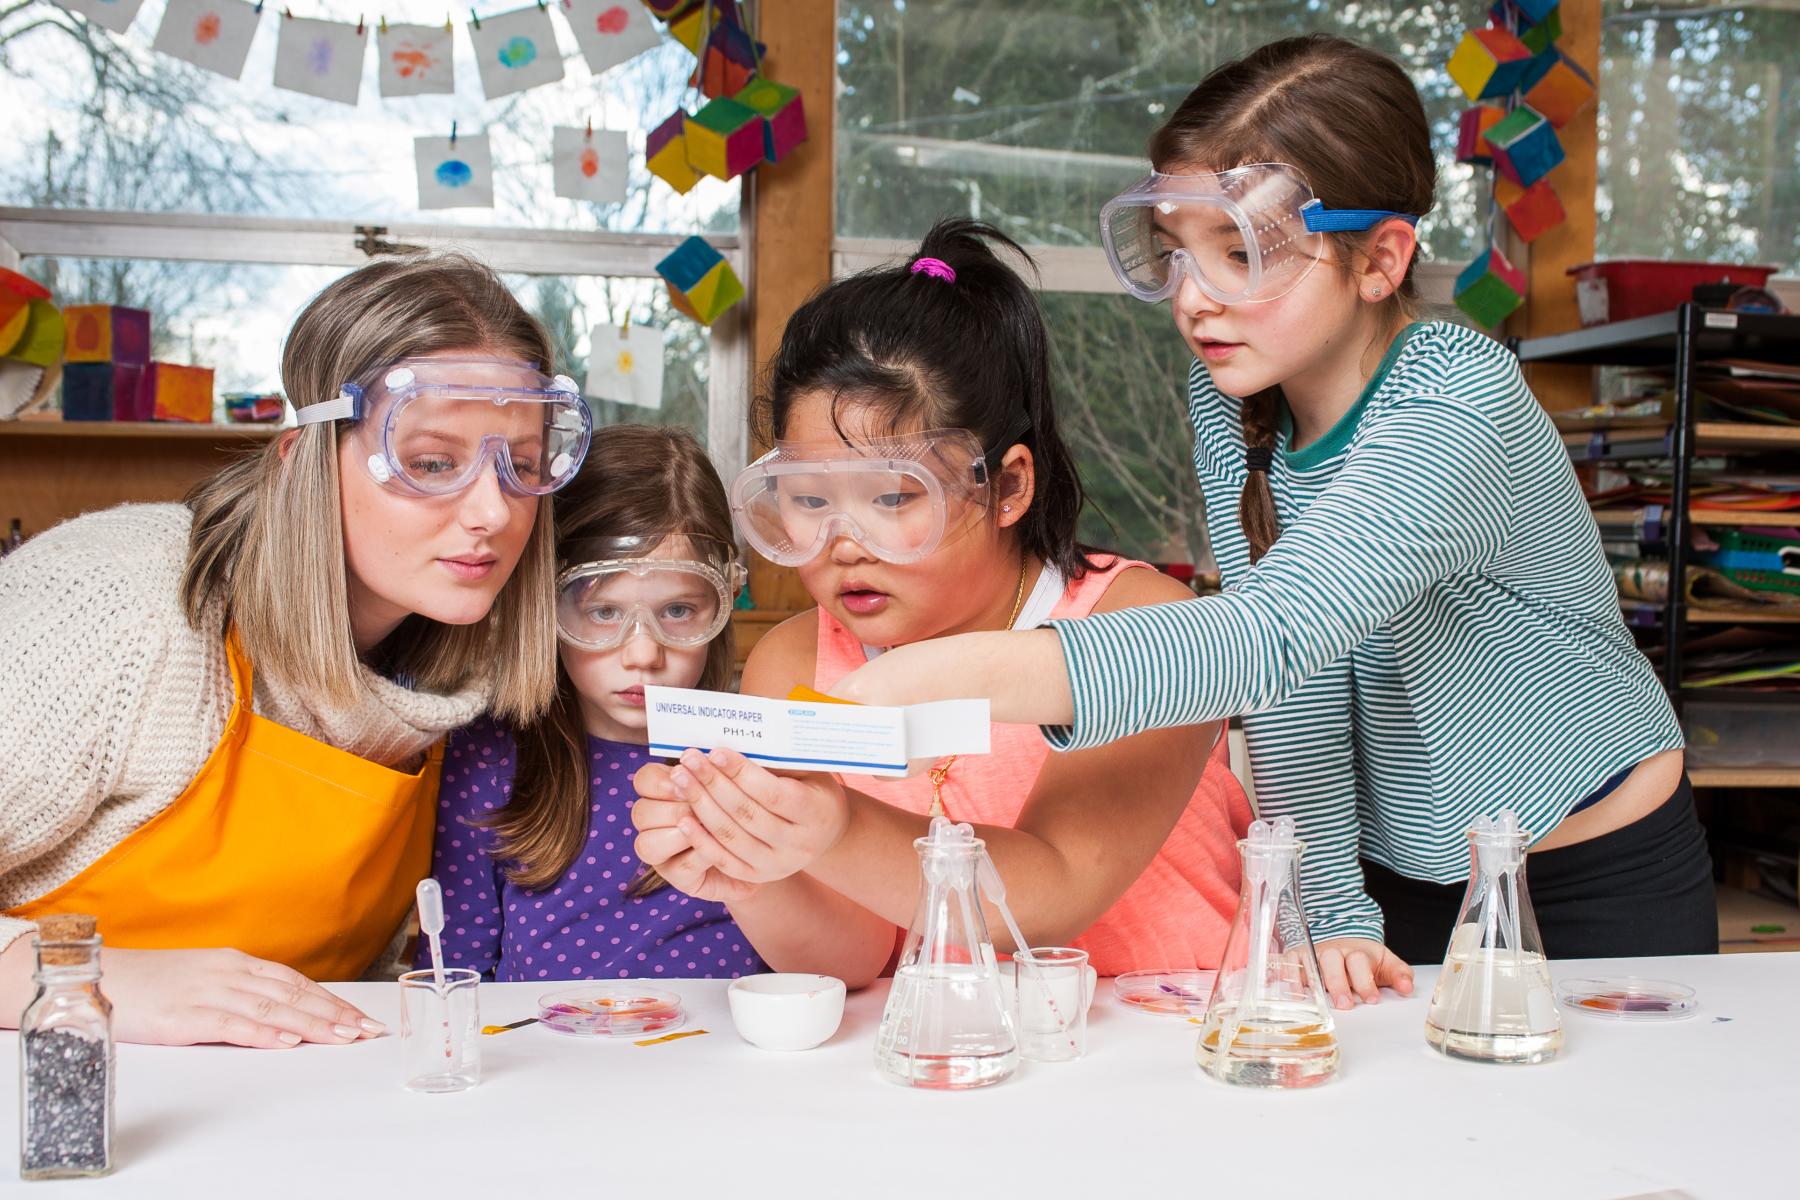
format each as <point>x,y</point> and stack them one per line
<point>110,702</point>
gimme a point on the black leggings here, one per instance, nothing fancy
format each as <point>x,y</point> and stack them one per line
<point>1645,889</point>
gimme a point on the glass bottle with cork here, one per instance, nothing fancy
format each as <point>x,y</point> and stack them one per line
<point>66,1057</point>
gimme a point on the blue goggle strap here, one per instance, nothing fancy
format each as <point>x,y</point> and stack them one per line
<point>1319,219</point>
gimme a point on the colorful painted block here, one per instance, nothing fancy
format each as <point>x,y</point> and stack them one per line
<point>783,115</point>
<point>727,62</point>
<point>701,283</point>
<point>1545,34</point>
<point>1561,90</point>
<point>666,152</point>
<point>40,342</point>
<point>102,391</point>
<point>107,333</point>
<point>724,139</point>
<point>179,393</point>
<point>1533,210</point>
<point>1488,63</point>
<point>248,408</point>
<point>1471,142</point>
<point>1525,145</point>
<point>1490,288</point>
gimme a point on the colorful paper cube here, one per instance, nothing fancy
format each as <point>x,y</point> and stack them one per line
<point>103,391</point>
<point>1545,34</point>
<point>664,9</point>
<point>783,115</point>
<point>1488,63</point>
<point>666,152</point>
<point>179,393</point>
<point>1490,288</point>
<point>107,333</point>
<point>252,407</point>
<point>1536,11</point>
<point>727,62</point>
<point>1525,146</point>
<point>701,283</point>
<point>40,340</point>
<point>1560,89</point>
<point>1471,142</point>
<point>1533,211</point>
<point>724,139</point>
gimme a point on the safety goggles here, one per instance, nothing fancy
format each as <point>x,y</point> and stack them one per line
<point>893,496</point>
<point>623,591</point>
<point>431,426</point>
<point>1247,235</point>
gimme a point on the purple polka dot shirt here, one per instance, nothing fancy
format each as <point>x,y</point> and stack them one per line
<point>583,926</point>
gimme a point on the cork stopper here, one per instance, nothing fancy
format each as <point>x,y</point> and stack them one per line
<point>65,927</point>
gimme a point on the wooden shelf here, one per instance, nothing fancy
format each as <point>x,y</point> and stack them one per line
<point>1743,616</point>
<point>1742,435</point>
<point>135,429</point>
<point>1744,777</point>
<point>1706,516</point>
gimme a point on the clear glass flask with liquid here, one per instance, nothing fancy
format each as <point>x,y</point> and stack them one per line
<point>1268,1023</point>
<point>1494,1001</point>
<point>947,1023</point>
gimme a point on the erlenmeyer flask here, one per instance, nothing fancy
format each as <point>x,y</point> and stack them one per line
<point>1493,1001</point>
<point>1268,1023</point>
<point>947,1024</point>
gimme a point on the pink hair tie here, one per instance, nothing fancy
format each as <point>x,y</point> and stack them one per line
<point>937,268</point>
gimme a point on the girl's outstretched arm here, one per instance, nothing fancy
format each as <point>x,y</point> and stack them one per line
<point>1022,674</point>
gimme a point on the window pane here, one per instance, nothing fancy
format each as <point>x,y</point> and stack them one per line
<point>1032,123</point>
<point>1700,134</point>
<point>234,317</point>
<point>97,120</point>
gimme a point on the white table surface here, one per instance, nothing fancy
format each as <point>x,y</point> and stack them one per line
<point>1709,1105</point>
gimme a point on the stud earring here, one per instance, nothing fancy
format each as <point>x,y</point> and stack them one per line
<point>1374,293</point>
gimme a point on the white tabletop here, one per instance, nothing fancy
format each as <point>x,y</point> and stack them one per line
<point>1706,1105</point>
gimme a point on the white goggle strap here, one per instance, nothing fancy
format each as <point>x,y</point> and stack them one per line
<point>341,407</point>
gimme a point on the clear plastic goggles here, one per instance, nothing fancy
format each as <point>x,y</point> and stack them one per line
<point>432,425</point>
<point>893,496</point>
<point>1247,235</point>
<point>680,602</point>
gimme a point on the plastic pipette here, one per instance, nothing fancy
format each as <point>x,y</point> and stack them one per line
<point>431,924</point>
<point>989,876</point>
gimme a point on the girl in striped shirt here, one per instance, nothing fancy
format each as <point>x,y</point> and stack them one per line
<point>1418,624</point>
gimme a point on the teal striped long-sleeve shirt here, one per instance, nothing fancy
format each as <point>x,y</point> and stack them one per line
<point>1434,636</point>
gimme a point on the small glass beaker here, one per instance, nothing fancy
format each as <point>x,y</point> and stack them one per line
<point>440,1030</point>
<point>1053,990</point>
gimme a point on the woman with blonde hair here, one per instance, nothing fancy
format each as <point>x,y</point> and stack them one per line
<point>222,719</point>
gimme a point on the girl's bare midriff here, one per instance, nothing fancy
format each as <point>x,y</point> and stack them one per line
<point>1650,783</point>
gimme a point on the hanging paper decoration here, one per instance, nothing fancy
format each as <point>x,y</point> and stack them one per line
<point>1533,210</point>
<point>214,34</point>
<point>701,283</point>
<point>1490,288</point>
<point>1561,90</point>
<point>415,60</point>
<point>610,32</point>
<point>16,294</point>
<point>664,9</point>
<point>783,115</point>
<point>589,164</point>
<point>106,333</point>
<point>515,51</point>
<point>625,365</point>
<point>724,139</point>
<point>666,153</point>
<point>454,172</point>
<point>1471,141</point>
<point>116,15</point>
<point>41,336</point>
<point>320,58</point>
<point>1525,147</point>
<point>729,60</point>
<point>1488,63</point>
<point>690,21</point>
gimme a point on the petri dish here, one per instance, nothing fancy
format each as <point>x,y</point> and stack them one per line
<point>1629,999</point>
<point>1172,993</point>
<point>618,1010</point>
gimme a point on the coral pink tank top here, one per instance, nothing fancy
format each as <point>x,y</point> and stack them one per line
<point>1179,910</point>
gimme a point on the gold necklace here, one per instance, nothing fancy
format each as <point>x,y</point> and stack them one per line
<point>941,772</point>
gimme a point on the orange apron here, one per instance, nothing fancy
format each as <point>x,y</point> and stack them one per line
<point>283,847</point>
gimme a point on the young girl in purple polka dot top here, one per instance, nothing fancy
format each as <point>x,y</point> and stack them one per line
<point>534,832</point>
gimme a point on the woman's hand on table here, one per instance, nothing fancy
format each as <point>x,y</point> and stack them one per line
<point>1355,969</point>
<point>191,997</point>
<point>739,818</point>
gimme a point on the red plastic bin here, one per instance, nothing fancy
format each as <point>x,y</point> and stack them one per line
<point>1623,288</point>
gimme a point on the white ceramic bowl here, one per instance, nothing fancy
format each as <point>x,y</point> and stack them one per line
<point>786,1012</point>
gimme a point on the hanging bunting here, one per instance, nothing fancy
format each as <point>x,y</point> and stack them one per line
<point>212,34</point>
<point>416,60</point>
<point>625,365</point>
<point>454,172</point>
<point>320,58</point>
<point>515,51</point>
<point>116,15</point>
<point>610,32</point>
<point>589,164</point>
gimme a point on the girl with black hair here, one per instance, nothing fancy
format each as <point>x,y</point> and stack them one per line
<point>919,484</point>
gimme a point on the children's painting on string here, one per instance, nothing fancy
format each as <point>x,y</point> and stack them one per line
<point>416,60</point>
<point>626,365</point>
<point>116,15</point>
<point>320,58</point>
<point>454,172</point>
<point>589,164</point>
<point>611,32</point>
<point>214,34</point>
<point>515,51</point>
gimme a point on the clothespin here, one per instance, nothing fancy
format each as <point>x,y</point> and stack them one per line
<point>453,133</point>
<point>288,13</point>
<point>589,136</point>
<point>383,25</point>
<point>360,28</point>
<point>475,18</point>
<point>447,27</point>
<point>542,5</point>
<point>259,6</point>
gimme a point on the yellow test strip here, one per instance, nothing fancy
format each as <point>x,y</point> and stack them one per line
<point>809,696</point>
<point>670,1037</point>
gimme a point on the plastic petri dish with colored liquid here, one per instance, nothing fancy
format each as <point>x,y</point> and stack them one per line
<point>1170,993</point>
<point>611,1010</point>
<point>1629,999</point>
